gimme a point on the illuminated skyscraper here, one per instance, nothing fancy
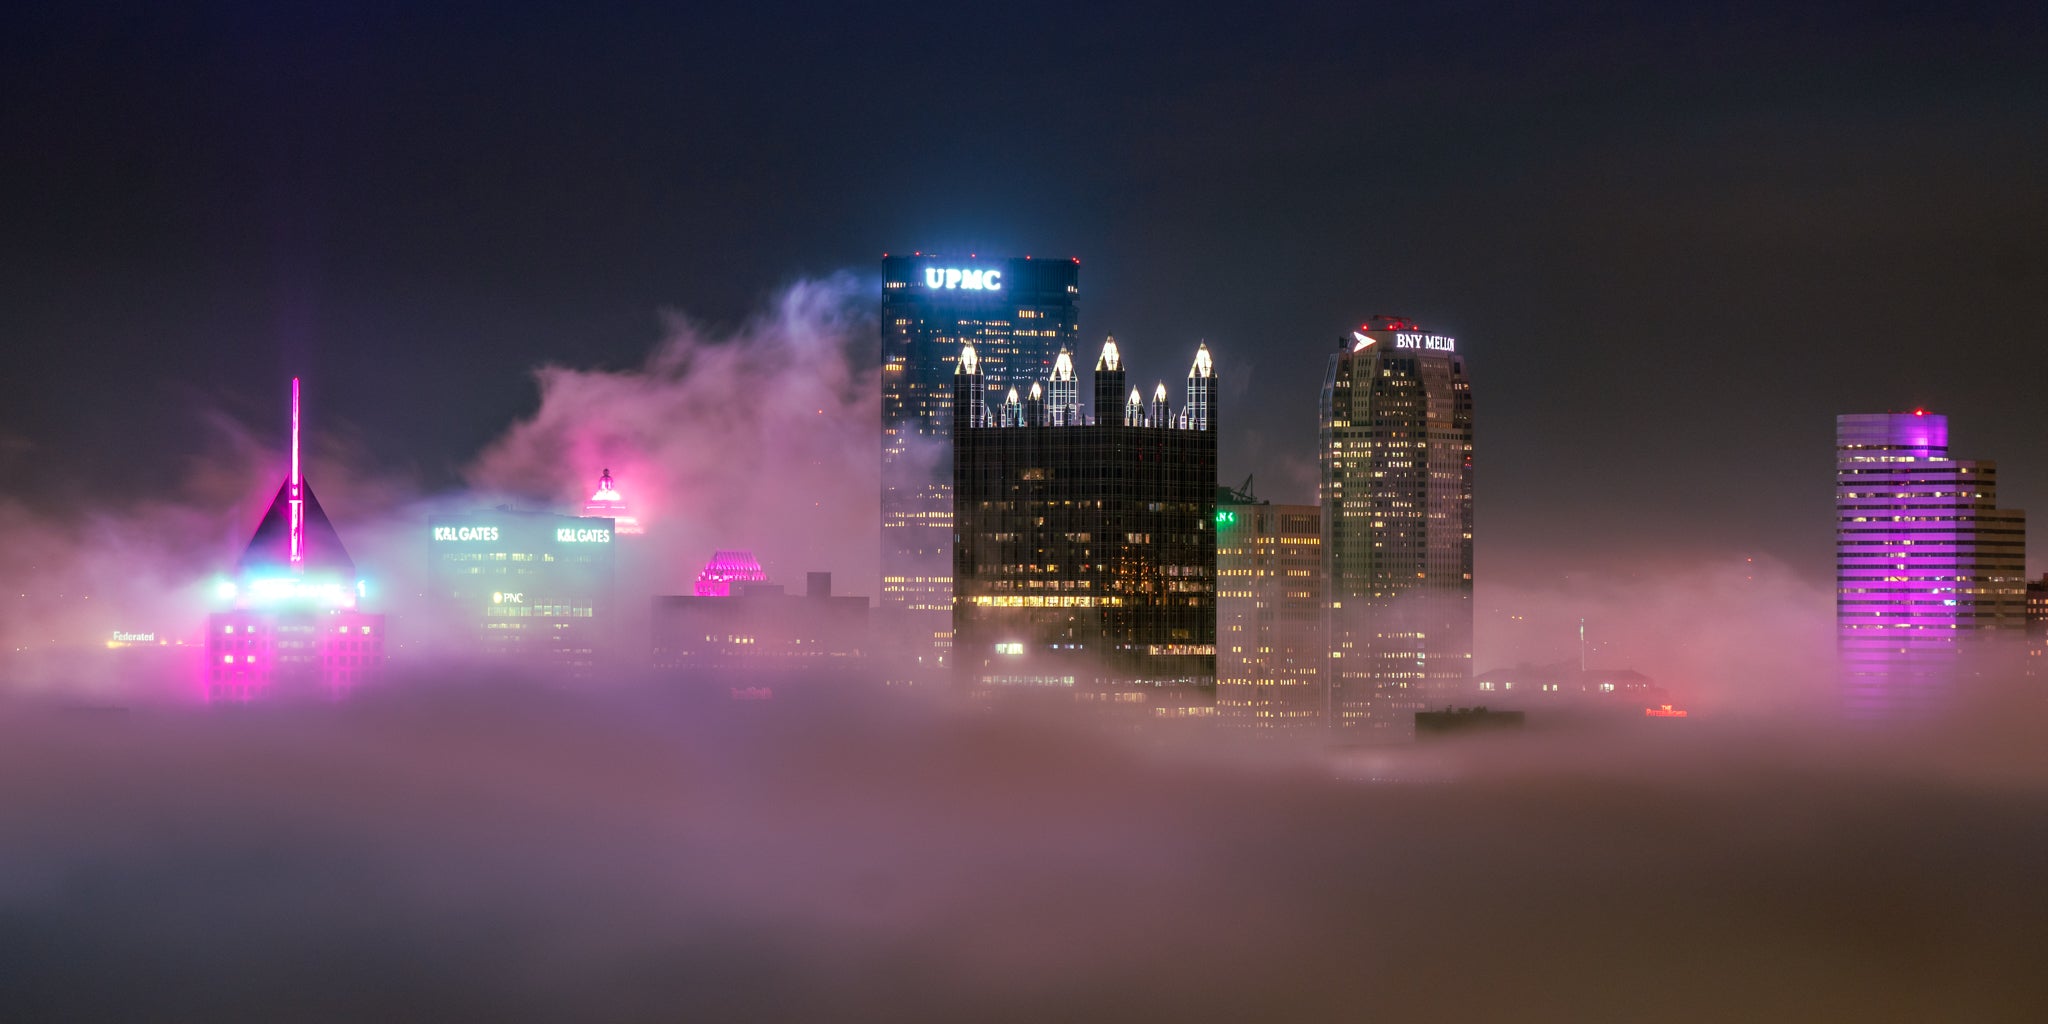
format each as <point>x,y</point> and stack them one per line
<point>1270,649</point>
<point>294,626</point>
<point>1396,456</point>
<point>1087,552</point>
<point>1925,561</point>
<point>1018,314</point>
<point>529,586</point>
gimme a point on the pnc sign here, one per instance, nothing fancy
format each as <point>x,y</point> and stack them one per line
<point>967,280</point>
<point>465,533</point>
<point>573,535</point>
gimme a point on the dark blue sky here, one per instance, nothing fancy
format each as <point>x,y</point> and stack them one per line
<point>1673,243</point>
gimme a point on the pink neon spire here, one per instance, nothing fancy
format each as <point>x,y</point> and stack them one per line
<point>297,496</point>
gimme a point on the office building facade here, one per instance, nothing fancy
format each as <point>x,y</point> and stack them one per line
<point>1270,647</point>
<point>1085,555</point>
<point>1018,314</point>
<point>1396,459</point>
<point>1928,568</point>
<point>533,587</point>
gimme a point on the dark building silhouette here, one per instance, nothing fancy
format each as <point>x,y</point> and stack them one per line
<point>1465,722</point>
<point>756,633</point>
<point>1085,554</point>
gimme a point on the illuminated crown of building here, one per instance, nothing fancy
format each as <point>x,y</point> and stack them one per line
<point>727,568</point>
<point>1203,367</point>
<point>969,362</point>
<point>295,556</point>
<point>1063,366</point>
<point>608,503</point>
<point>1109,360</point>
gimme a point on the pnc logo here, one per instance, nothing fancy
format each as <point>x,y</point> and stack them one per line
<point>971,280</point>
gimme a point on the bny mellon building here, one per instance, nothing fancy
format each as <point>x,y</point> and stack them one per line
<point>1396,418</point>
<point>1018,314</point>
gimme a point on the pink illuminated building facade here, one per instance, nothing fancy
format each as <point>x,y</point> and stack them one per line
<point>1928,569</point>
<point>293,625</point>
<point>727,568</point>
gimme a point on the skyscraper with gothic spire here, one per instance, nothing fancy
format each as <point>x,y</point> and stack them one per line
<point>1086,560</point>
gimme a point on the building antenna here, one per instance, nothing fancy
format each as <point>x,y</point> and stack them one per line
<point>296,494</point>
<point>1582,646</point>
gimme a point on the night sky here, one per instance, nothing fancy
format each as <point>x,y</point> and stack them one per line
<point>1674,244</point>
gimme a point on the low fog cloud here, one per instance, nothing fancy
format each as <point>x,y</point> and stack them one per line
<point>486,849</point>
<point>1726,636</point>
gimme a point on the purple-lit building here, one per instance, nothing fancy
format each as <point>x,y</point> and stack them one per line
<point>294,627</point>
<point>727,569</point>
<point>1927,566</point>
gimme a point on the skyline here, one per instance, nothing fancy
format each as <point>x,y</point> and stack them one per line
<point>1616,672</point>
<point>1644,202</point>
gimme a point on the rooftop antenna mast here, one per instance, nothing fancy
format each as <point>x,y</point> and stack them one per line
<point>1582,646</point>
<point>296,495</point>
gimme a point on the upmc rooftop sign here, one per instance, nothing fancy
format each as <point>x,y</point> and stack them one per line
<point>968,280</point>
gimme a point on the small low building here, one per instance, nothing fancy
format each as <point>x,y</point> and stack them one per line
<point>760,634</point>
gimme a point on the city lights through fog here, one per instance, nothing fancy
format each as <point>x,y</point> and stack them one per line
<point>755,574</point>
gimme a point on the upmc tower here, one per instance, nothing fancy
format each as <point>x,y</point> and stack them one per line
<point>1018,314</point>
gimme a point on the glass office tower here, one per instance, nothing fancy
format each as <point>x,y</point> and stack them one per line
<point>1086,561</point>
<point>1396,455</point>
<point>1018,314</point>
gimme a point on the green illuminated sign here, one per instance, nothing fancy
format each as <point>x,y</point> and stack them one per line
<point>1225,517</point>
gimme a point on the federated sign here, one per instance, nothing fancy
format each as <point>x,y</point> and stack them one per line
<point>965,280</point>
